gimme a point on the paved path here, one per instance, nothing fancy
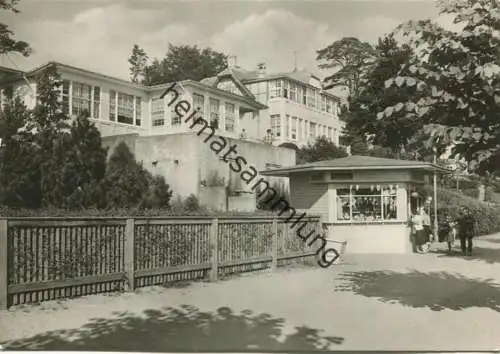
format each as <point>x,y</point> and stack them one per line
<point>410,302</point>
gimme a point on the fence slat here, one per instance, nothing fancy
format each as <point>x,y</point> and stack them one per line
<point>274,245</point>
<point>214,250</point>
<point>129,254</point>
<point>4,252</point>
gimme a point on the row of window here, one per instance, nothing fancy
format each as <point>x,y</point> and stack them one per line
<point>300,129</point>
<point>376,203</point>
<point>158,110</point>
<point>307,96</point>
<point>83,99</point>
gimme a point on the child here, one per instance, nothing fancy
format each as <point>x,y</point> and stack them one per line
<point>447,232</point>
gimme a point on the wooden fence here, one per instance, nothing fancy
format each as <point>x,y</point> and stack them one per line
<point>49,258</point>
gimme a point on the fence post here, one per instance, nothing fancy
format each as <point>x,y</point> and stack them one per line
<point>4,253</point>
<point>129,254</point>
<point>214,249</point>
<point>274,245</point>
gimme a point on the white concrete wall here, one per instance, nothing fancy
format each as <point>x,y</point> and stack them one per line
<point>375,238</point>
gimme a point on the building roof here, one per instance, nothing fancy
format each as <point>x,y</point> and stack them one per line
<point>245,77</point>
<point>356,162</point>
<point>8,75</point>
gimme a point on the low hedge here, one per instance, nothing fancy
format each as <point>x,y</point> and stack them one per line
<point>8,212</point>
<point>450,202</point>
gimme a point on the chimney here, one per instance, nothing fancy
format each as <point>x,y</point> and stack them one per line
<point>231,61</point>
<point>261,69</point>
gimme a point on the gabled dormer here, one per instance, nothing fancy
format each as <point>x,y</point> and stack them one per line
<point>228,81</point>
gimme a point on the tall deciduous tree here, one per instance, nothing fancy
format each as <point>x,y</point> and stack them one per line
<point>350,58</point>
<point>7,42</point>
<point>397,131</point>
<point>458,76</point>
<point>138,61</point>
<point>185,63</point>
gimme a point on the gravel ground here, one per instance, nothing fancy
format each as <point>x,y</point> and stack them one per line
<point>369,302</point>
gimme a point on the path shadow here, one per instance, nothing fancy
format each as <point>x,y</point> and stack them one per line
<point>488,255</point>
<point>180,329</point>
<point>436,291</point>
<point>492,240</point>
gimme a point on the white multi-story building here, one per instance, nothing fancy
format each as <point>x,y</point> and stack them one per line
<point>298,110</point>
<point>119,107</point>
<point>278,108</point>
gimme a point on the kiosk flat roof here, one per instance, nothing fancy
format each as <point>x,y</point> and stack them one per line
<point>355,162</point>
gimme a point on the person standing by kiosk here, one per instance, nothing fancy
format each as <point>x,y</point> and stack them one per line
<point>466,231</point>
<point>426,221</point>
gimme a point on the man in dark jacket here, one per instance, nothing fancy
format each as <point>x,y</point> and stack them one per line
<point>466,231</point>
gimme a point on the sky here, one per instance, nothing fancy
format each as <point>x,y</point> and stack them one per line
<point>98,35</point>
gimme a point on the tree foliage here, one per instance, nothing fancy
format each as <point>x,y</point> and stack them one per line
<point>138,61</point>
<point>397,131</point>
<point>350,58</point>
<point>321,149</point>
<point>185,62</point>
<point>49,160</point>
<point>7,42</point>
<point>457,75</point>
<point>127,184</point>
<point>19,172</point>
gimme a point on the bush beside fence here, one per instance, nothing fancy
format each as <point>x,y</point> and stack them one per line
<point>51,258</point>
<point>450,203</point>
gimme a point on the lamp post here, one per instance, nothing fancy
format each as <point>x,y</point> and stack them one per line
<point>435,195</point>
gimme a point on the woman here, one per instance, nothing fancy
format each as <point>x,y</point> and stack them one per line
<point>419,231</point>
<point>426,219</point>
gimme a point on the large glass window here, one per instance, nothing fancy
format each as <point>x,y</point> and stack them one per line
<point>230,117</point>
<point>97,102</point>
<point>286,88</point>
<point>293,91</point>
<point>199,104</point>
<point>375,203</point>
<point>81,99</point>
<point>311,98</point>
<point>275,88</point>
<point>138,111</point>
<point>214,113</point>
<point>323,103</point>
<point>175,119</point>
<point>276,125</point>
<point>157,112</point>
<point>312,130</point>
<point>294,127</point>
<point>125,108</point>
<point>287,126</point>
<point>112,105</point>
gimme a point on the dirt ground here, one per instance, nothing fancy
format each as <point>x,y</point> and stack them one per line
<point>369,302</point>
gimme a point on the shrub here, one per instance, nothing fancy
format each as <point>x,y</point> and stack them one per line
<point>450,203</point>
